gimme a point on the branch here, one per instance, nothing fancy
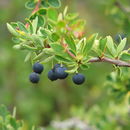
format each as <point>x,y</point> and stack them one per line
<point>34,11</point>
<point>98,59</point>
<point>111,61</point>
<point>122,8</point>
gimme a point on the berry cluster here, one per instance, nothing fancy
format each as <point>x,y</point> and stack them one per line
<point>35,76</point>
<point>58,72</point>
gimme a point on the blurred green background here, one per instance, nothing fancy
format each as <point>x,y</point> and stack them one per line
<point>48,101</point>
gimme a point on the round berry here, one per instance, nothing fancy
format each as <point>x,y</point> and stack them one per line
<point>56,66</point>
<point>52,76</point>
<point>38,68</point>
<point>60,72</point>
<point>34,77</point>
<point>78,79</point>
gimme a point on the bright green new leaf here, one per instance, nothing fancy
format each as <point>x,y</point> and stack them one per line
<point>89,44</point>
<point>111,46</point>
<point>52,14</point>
<point>71,16</point>
<point>12,30</point>
<point>121,46</point>
<point>102,44</point>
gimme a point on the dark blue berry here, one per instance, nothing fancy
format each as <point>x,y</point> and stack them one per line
<point>60,72</point>
<point>52,76</point>
<point>34,77</point>
<point>38,68</point>
<point>56,66</point>
<point>78,79</point>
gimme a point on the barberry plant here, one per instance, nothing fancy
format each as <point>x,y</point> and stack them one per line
<point>50,36</point>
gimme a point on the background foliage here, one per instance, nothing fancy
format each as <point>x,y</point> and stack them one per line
<point>61,100</point>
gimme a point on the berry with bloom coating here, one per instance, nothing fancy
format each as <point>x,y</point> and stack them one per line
<point>34,77</point>
<point>60,72</point>
<point>52,76</point>
<point>38,68</point>
<point>78,79</point>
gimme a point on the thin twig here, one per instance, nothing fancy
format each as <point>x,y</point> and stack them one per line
<point>35,10</point>
<point>111,61</point>
<point>122,8</point>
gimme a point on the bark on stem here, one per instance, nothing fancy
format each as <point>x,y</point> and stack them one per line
<point>111,61</point>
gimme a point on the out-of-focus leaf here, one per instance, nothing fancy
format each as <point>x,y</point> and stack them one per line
<point>48,59</point>
<point>52,14</point>
<point>54,3</point>
<point>12,30</point>
<point>125,56</point>
<point>28,56</point>
<point>30,4</point>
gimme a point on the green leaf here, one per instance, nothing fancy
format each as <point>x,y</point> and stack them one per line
<point>42,11</point>
<point>125,56</point>
<point>55,37</point>
<point>38,41</point>
<point>57,48</point>
<point>121,46</point>
<point>13,123</point>
<point>65,10</point>
<point>22,27</point>
<point>54,3</point>
<point>111,46</point>
<point>62,59</point>
<point>28,56</point>
<point>84,67</point>
<point>52,14</point>
<point>44,32</point>
<point>3,111</point>
<point>16,40</point>
<point>41,21</point>
<point>70,42</point>
<point>48,59</point>
<point>102,44</point>
<point>35,25</point>
<point>72,70</point>
<point>89,44</point>
<point>44,4</point>
<point>71,16</point>
<point>12,30</point>
<point>30,4</point>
